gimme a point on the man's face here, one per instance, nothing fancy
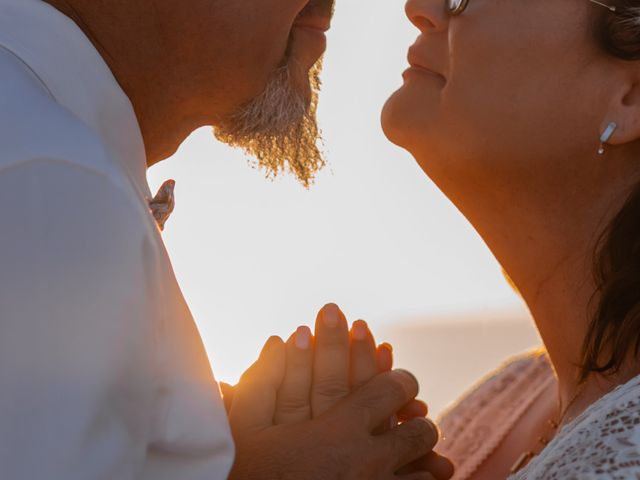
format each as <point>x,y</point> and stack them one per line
<point>275,122</point>
<point>248,67</point>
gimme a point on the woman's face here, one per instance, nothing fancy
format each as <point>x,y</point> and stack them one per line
<point>519,93</point>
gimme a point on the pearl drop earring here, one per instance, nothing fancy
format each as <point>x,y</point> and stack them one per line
<point>606,136</point>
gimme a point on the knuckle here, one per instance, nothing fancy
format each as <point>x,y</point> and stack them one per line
<point>300,365</point>
<point>332,387</point>
<point>357,418</point>
<point>296,381</point>
<point>397,389</point>
<point>338,341</point>
<point>371,394</point>
<point>382,389</point>
<point>294,406</point>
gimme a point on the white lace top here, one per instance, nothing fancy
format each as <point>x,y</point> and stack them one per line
<point>602,443</point>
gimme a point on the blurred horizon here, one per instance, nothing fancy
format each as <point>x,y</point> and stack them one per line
<point>256,257</point>
<point>450,354</point>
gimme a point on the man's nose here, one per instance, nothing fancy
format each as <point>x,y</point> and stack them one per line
<point>427,15</point>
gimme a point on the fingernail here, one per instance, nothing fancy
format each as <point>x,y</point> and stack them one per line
<point>330,315</point>
<point>387,346</point>
<point>359,330</point>
<point>434,427</point>
<point>303,338</point>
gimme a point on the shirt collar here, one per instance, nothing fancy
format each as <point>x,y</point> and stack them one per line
<point>74,73</point>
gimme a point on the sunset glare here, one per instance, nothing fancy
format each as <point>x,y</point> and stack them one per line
<point>257,257</point>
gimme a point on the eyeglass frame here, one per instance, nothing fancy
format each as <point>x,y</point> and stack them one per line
<point>463,6</point>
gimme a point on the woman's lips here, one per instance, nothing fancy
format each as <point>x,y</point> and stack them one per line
<point>417,62</point>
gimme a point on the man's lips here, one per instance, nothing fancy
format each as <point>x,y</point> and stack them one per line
<point>321,24</point>
<point>309,39</point>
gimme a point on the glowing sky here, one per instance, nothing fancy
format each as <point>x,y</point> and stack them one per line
<point>256,258</point>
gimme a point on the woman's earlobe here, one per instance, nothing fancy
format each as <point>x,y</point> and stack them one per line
<point>606,136</point>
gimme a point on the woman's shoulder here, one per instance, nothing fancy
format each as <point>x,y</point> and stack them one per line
<point>603,442</point>
<point>476,424</point>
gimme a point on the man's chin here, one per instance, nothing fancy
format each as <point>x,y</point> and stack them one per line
<point>278,128</point>
<point>305,86</point>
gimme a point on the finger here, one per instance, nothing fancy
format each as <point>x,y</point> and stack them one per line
<point>417,476</point>
<point>294,403</point>
<point>408,441</point>
<point>331,362</point>
<point>440,467</point>
<point>416,408</point>
<point>385,357</point>
<point>378,399</point>
<point>364,362</point>
<point>254,400</point>
<point>227,396</point>
<point>386,426</point>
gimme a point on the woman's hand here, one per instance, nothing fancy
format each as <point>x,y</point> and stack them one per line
<point>339,444</point>
<point>318,374</point>
<point>321,371</point>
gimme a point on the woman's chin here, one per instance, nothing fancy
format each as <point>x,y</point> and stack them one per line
<point>390,119</point>
<point>397,123</point>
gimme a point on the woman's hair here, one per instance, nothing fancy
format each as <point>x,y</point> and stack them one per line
<point>614,331</point>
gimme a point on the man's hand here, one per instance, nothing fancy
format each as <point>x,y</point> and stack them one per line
<point>339,444</point>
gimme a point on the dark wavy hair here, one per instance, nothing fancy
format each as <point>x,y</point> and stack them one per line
<point>614,330</point>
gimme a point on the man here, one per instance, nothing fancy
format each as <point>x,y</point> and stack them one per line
<point>102,372</point>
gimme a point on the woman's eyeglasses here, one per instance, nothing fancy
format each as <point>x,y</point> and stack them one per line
<point>456,7</point>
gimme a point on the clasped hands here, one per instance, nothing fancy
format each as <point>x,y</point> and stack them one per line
<point>327,407</point>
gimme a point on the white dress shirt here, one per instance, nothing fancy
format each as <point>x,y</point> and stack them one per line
<point>103,374</point>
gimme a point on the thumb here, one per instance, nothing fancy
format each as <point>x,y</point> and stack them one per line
<point>254,399</point>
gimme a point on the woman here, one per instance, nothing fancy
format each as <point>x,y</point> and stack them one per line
<point>527,116</point>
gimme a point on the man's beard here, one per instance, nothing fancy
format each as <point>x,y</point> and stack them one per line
<point>279,127</point>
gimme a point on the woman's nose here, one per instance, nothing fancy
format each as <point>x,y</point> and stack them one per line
<point>427,15</point>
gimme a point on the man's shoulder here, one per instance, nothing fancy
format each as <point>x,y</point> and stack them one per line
<point>33,126</point>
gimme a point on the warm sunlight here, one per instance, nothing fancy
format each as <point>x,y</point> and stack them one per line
<point>319,239</point>
<point>256,258</point>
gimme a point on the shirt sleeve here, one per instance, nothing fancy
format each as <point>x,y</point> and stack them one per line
<point>76,368</point>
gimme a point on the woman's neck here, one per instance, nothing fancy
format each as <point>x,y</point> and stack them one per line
<point>546,240</point>
<point>558,285</point>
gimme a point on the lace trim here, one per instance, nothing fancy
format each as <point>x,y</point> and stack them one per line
<point>601,443</point>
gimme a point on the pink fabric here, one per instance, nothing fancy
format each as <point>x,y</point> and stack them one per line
<point>474,427</point>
